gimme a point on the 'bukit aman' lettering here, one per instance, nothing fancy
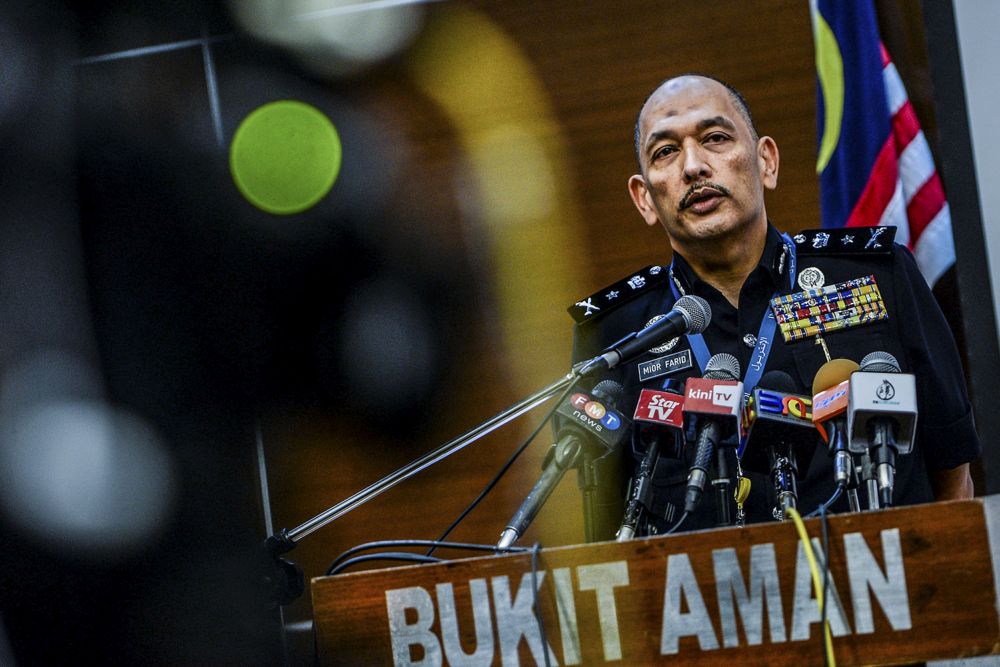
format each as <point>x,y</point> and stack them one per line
<point>426,629</point>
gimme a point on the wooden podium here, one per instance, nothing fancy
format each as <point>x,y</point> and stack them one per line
<point>906,585</point>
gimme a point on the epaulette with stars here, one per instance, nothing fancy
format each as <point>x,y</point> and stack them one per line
<point>616,294</point>
<point>845,241</point>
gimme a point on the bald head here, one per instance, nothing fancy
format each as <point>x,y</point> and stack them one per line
<point>692,79</point>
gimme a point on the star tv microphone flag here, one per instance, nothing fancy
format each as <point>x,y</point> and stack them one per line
<point>873,160</point>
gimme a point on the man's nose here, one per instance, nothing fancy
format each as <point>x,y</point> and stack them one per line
<point>695,164</point>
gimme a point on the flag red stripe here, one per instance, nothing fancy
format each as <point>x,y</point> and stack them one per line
<point>925,205</point>
<point>878,191</point>
<point>905,126</point>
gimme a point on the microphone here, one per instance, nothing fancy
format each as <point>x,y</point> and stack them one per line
<point>590,420</point>
<point>712,405</point>
<point>882,415</point>
<point>830,389</point>
<point>690,314</point>
<point>659,424</point>
<point>780,431</point>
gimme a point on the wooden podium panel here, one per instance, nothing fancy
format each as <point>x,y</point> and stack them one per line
<point>907,584</point>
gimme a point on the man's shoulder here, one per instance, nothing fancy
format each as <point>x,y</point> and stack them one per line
<point>846,241</point>
<point>625,294</point>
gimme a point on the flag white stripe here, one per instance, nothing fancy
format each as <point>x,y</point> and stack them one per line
<point>895,214</point>
<point>935,250</point>
<point>895,93</point>
<point>916,165</point>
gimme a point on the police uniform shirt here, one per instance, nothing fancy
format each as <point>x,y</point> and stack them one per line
<point>914,332</point>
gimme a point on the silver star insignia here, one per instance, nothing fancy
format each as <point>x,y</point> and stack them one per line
<point>613,294</point>
<point>847,239</point>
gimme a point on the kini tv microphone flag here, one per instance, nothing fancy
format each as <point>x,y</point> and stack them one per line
<point>712,406</point>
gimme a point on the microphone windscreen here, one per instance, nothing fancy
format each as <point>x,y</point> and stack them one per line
<point>722,366</point>
<point>778,381</point>
<point>880,362</point>
<point>833,373</point>
<point>696,312</point>
<point>609,391</point>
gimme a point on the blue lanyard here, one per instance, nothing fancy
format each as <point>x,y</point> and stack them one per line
<point>765,336</point>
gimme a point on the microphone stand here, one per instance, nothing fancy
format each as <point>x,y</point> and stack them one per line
<point>284,582</point>
<point>565,455</point>
<point>784,468</point>
<point>587,482</point>
<point>640,493</point>
<point>871,480</point>
<point>845,470</point>
<point>722,484</point>
<point>852,490</point>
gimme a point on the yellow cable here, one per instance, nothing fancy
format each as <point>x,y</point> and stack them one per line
<point>817,582</point>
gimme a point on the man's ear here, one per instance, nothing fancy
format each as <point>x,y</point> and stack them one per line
<point>768,158</point>
<point>643,200</point>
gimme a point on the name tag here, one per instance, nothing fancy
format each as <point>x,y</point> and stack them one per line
<point>671,363</point>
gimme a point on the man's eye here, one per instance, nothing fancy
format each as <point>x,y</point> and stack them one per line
<point>715,138</point>
<point>663,151</point>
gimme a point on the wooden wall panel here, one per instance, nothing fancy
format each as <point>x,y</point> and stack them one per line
<point>597,62</point>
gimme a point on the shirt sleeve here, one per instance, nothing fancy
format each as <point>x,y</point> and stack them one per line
<point>946,431</point>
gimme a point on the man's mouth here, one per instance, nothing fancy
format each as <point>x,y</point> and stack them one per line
<point>702,193</point>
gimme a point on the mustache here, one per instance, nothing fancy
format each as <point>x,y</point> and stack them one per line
<point>685,200</point>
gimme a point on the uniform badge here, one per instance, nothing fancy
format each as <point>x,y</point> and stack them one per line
<point>811,278</point>
<point>666,347</point>
<point>824,309</point>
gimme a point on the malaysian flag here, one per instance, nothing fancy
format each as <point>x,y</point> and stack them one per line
<point>874,163</point>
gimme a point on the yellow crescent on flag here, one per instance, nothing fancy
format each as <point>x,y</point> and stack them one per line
<point>830,71</point>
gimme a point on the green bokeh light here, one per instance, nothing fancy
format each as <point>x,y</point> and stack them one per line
<point>285,157</point>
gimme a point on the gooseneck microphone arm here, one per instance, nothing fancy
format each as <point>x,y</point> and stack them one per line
<point>429,459</point>
<point>283,579</point>
<point>285,540</point>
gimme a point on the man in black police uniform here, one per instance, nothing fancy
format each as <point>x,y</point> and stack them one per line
<point>704,170</point>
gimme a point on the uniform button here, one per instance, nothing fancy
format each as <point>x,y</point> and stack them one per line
<point>750,340</point>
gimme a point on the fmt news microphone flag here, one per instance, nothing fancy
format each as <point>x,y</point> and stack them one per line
<point>874,164</point>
